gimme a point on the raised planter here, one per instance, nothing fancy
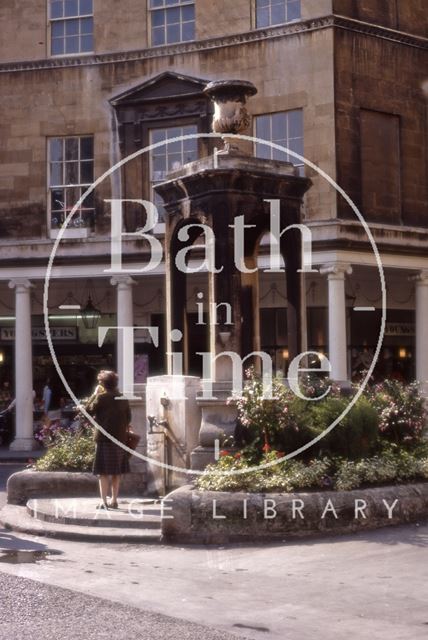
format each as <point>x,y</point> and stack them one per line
<point>24,485</point>
<point>208,517</point>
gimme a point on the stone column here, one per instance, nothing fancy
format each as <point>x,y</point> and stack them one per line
<point>125,318</point>
<point>24,440</point>
<point>422,329</point>
<point>337,335</point>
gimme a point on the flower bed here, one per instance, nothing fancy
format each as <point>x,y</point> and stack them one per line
<point>379,441</point>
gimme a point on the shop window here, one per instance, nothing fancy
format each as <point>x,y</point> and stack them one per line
<point>71,172</point>
<point>71,26</point>
<point>284,128</point>
<point>172,21</point>
<point>170,156</point>
<point>271,12</point>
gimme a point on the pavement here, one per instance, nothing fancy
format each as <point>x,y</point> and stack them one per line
<point>33,611</point>
<point>6,470</point>
<point>7,455</point>
<point>370,586</point>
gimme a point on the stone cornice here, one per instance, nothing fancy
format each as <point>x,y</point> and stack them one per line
<point>255,35</point>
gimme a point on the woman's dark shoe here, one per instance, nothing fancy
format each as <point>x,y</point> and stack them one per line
<point>113,505</point>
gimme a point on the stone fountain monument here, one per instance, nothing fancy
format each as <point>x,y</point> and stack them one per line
<point>214,192</point>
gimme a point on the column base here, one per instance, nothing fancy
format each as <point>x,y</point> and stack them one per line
<point>23,444</point>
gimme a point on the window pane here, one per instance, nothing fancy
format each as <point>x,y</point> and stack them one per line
<point>71,8</point>
<point>263,3</point>
<point>174,147</point>
<point>296,144</point>
<point>188,31</point>
<point>86,43</point>
<point>295,123</point>
<point>174,161</point>
<point>57,200</point>
<point>263,17</point>
<point>158,165</point>
<point>279,127</point>
<point>86,26</point>
<point>158,135</point>
<point>188,12</point>
<point>57,9</point>
<point>56,173</point>
<point>173,16</point>
<point>57,46</point>
<point>89,200</point>
<point>174,132</point>
<point>71,27</point>
<point>72,44</point>
<point>173,33</point>
<point>71,173</point>
<point>71,148</point>
<point>158,36</point>
<point>263,127</point>
<point>293,11</point>
<point>72,196</point>
<point>58,29</point>
<point>85,7</point>
<point>86,148</point>
<point>156,3</point>
<point>278,13</point>
<point>87,172</point>
<point>55,149</point>
<point>158,18</point>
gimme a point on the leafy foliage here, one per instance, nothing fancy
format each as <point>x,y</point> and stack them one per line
<point>67,449</point>
<point>322,473</point>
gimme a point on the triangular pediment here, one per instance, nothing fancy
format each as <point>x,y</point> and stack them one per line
<point>166,86</point>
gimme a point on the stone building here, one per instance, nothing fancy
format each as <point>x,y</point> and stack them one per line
<point>85,83</point>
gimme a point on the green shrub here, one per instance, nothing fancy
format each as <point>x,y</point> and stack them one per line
<point>357,433</point>
<point>393,466</point>
<point>71,452</point>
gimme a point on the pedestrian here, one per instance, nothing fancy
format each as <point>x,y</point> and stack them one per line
<point>5,395</point>
<point>112,412</point>
<point>47,396</point>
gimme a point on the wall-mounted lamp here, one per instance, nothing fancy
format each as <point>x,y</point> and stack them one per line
<point>286,354</point>
<point>90,315</point>
<point>402,353</point>
<point>1,357</point>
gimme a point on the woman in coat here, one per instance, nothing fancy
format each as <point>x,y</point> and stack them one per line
<point>112,412</point>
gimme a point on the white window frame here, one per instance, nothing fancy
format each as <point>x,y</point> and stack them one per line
<point>79,16</point>
<point>274,24</point>
<point>285,141</point>
<point>164,7</point>
<point>82,231</point>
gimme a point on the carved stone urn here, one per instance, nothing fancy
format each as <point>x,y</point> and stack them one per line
<point>230,113</point>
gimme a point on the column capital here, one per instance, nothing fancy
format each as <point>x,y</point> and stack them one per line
<point>20,284</point>
<point>421,279</point>
<point>336,270</point>
<point>122,281</point>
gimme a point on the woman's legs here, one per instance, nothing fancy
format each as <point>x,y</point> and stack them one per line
<point>104,484</point>
<point>115,483</point>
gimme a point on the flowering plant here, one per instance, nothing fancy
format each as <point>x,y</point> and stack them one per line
<point>263,418</point>
<point>401,411</point>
